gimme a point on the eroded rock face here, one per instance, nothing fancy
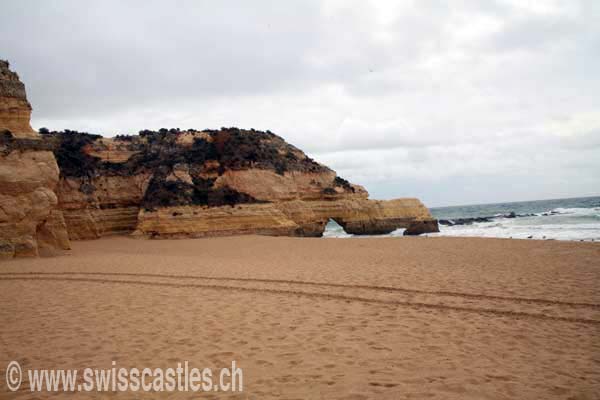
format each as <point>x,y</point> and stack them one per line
<point>170,183</point>
<point>356,214</point>
<point>15,110</point>
<point>103,205</point>
<point>30,222</point>
<point>175,183</point>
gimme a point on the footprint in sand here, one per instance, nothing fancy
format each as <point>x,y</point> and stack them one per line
<point>264,362</point>
<point>354,396</point>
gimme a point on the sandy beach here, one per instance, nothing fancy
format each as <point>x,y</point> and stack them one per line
<point>385,318</point>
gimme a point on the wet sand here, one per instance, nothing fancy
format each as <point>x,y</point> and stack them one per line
<point>381,318</point>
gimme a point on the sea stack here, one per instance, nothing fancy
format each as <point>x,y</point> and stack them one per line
<point>30,221</point>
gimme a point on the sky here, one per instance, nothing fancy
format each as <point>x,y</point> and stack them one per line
<point>458,102</point>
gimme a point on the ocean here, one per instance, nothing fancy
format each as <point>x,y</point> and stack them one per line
<point>559,219</point>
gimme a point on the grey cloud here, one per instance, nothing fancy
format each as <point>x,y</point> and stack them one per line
<point>430,98</point>
<point>97,57</point>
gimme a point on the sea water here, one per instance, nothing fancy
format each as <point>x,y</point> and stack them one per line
<point>559,219</point>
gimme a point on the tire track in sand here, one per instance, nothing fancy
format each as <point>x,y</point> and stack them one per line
<point>311,283</point>
<point>514,307</point>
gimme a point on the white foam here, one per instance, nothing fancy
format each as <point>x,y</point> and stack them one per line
<point>334,230</point>
<point>558,224</point>
<point>522,230</point>
<point>593,212</point>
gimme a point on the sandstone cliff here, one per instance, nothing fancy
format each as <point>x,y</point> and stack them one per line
<point>30,221</point>
<point>170,183</point>
<point>174,183</point>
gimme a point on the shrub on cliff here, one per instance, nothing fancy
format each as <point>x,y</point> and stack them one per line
<point>164,193</point>
<point>338,181</point>
<point>71,158</point>
<point>157,152</point>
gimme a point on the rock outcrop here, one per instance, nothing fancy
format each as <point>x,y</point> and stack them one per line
<point>15,110</point>
<point>171,183</point>
<point>174,183</point>
<point>358,216</point>
<point>30,222</point>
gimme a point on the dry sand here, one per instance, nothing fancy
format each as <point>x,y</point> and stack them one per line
<point>384,318</point>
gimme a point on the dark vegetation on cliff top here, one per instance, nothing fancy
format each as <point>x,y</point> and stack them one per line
<point>232,148</point>
<point>71,159</point>
<point>164,193</point>
<point>9,143</point>
<point>158,152</point>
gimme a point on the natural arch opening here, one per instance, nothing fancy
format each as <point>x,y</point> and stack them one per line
<point>334,230</point>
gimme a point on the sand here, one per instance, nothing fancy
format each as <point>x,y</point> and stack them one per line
<point>369,318</point>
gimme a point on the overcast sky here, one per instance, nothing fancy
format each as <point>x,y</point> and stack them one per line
<point>456,102</point>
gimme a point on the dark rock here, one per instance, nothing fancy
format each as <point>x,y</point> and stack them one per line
<point>420,227</point>
<point>464,221</point>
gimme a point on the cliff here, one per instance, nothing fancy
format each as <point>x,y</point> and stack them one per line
<point>174,183</point>
<point>56,186</point>
<point>30,221</point>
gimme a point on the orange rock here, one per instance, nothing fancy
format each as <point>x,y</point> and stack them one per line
<point>30,221</point>
<point>171,183</point>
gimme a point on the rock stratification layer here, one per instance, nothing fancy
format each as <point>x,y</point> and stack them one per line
<point>15,110</point>
<point>174,183</point>
<point>30,221</point>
